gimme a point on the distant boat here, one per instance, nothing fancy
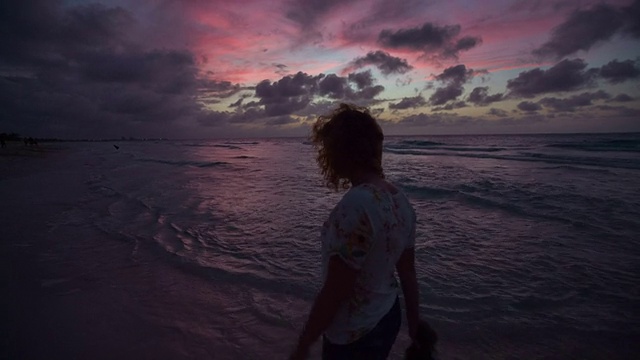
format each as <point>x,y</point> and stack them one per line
<point>116,146</point>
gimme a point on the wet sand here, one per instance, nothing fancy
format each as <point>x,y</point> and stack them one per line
<point>71,293</point>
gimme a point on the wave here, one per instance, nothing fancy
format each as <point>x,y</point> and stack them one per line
<point>425,191</point>
<point>200,164</point>
<point>242,143</point>
<point>232,147</point>
<point>625,145</point>
<point>393,147</point>
<point>577,168</point>
<point>410,144</point>
<point>465,193</point>
<point>535,157</point>
<point>225,145</point>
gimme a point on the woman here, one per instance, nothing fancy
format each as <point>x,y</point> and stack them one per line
<point>369,235</point>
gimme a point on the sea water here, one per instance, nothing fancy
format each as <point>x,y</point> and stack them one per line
<point>528,246</point>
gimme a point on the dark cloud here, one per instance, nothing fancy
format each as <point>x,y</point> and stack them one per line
<point>213,118</point>
<point>307,12</point>
<point>529,106</point>
<point>454,78</point>
<point>382,60</point>
<point>281,120</point>
<point>445,94</point>
<point>437,120</point>
<point>450,106</point>
<point>361,79</point>
<point>171,72</point>
<point>238,103</point>
<point>429,39</point>
<point>290,93</point>
<point>631,18</point>
<point>621,111</point>
<point>333,86</point>
<point>458,74</point>
<point>567,75</point>
<point>585,28</point>
<point>497,112</point>
<point>78,72</point>
<point>408,103</point>
<point>463,44</point>
<point>40,33</point>
<point>281,69</point>
<point>570,104</point>
<point>621,98</point>
<point>480,96</point>
<point>293,93</point>
<point>367,93</point>
<point>619,71</point>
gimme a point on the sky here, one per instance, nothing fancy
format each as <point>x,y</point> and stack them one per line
<point>251,68</point>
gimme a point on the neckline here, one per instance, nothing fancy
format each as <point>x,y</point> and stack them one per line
<point>376,187</point>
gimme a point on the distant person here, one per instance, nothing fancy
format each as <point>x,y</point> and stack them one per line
<point>26,141</point>
<point>2,143</point>
<point>368,236</point>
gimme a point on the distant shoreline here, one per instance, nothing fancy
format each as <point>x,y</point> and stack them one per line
<point>132,139</point>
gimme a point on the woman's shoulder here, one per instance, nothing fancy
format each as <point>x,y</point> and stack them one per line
<point>360,194</point>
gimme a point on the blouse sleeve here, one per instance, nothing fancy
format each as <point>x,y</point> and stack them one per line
<point>350,235</point>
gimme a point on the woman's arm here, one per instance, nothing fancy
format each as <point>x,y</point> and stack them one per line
<point>407,273</point>
<point>338,287</point>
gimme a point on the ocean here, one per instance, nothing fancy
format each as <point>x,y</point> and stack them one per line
<point>528,246</point>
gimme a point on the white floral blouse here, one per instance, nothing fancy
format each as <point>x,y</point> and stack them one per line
<point>368,229</point>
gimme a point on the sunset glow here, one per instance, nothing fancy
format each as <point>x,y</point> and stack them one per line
<point>254,68</point>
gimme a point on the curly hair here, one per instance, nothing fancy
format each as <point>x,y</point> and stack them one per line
<point>348,140</point>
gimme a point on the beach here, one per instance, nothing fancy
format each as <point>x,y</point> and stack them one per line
<point>208,249</point>
<point>74,293</point>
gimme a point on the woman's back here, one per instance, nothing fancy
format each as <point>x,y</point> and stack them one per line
<point>369,229</point>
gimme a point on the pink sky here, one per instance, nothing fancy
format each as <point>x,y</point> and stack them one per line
<point>245,56</point>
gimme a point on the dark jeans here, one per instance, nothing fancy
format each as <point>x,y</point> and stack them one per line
<point>375,345</point>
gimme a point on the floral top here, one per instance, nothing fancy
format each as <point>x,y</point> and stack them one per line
<point>369,229</point>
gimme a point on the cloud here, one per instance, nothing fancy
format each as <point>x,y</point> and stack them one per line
<point>429,39</point>
<point>567,75</point>
<point>290,93</point>
<point>81,74</point>
<point>570,104</point>
<point>619,71</point>
<point>497,112</point>
<point>480,96</point>
<point>583,29</point>
<point>307,13</point>
<point>281,120</point>
<point>528,106</point>
<point>171,72</point>
<point>455,74</point>
<point>451,106</point>
<point>454,78</point>
<point>631,18</point>
<point>38,33</point>
<point>445,94</point>
<point>362,79</point>
<point>281,69</point>
<point>408,103</point>
<point>437,120</point>
<point>209,88</point>
<point>293,93</point>
<point>621,111</point>
<point>621,98</point>
<point>382,60</point>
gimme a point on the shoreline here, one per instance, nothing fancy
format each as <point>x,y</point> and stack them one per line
<point>75,292</point>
